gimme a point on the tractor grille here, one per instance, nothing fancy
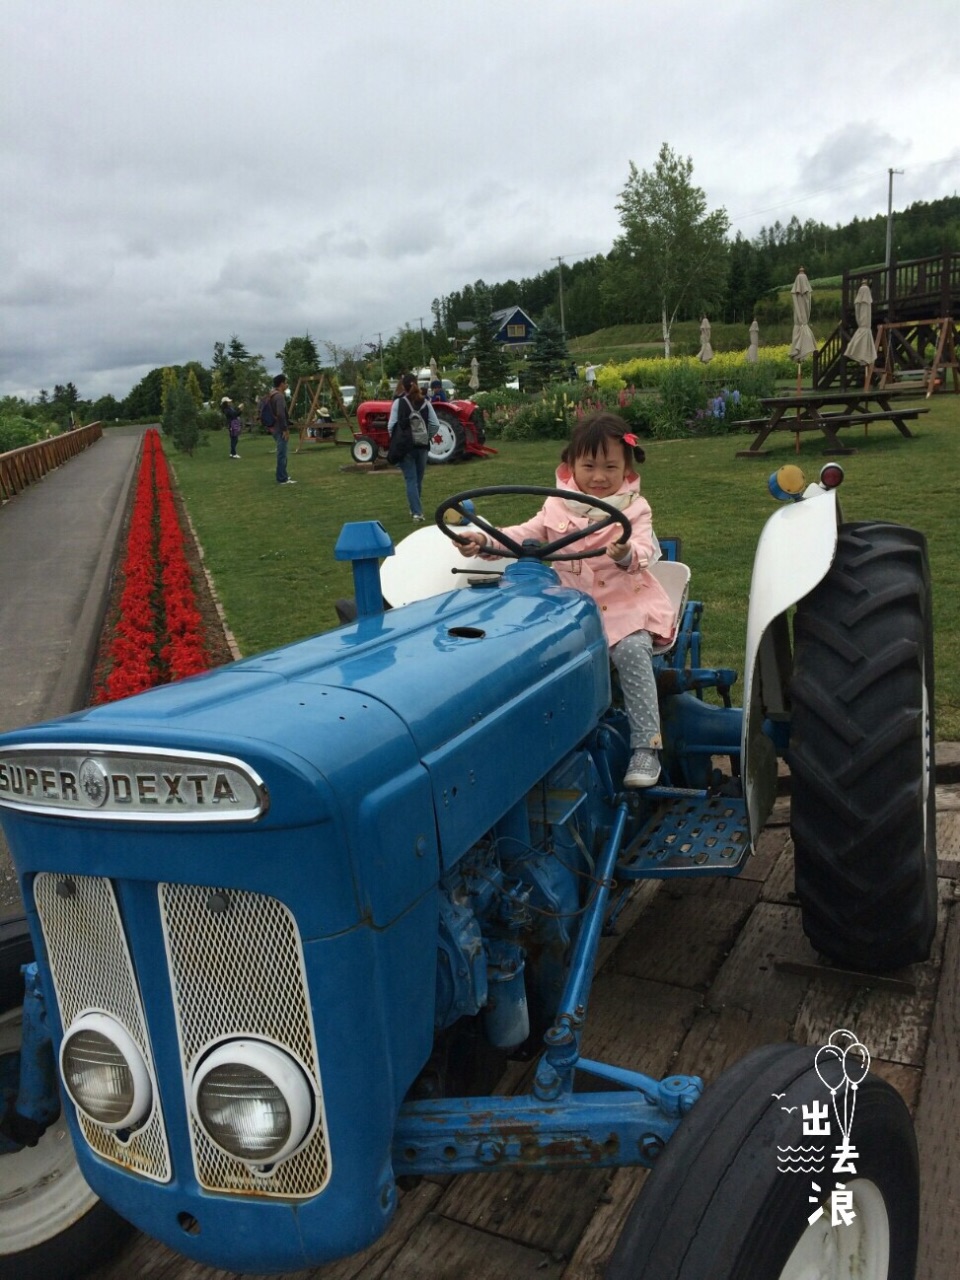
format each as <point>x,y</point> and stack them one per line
<point>92,969</point>
<point>236,969</point>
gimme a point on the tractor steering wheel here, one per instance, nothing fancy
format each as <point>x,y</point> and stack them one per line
<point>542,551</point>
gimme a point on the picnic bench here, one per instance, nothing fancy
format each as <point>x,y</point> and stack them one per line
<point>827,411</point>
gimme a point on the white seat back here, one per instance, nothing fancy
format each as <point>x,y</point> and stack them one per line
<point>674,577</point>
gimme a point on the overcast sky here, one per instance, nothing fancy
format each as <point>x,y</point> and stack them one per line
<point>176,171</point>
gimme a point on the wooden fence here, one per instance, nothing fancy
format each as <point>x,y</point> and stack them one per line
<point>24,466</point>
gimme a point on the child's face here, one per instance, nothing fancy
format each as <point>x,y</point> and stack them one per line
<point>603,474</point>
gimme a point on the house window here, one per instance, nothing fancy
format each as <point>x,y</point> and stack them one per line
<point>516,331</point>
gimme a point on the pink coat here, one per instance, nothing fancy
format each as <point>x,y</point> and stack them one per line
<point>630,599</point>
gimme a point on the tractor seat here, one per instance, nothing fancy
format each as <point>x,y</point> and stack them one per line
<point>674,577</point>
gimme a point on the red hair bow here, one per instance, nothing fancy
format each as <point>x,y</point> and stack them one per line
<point>630,439</point>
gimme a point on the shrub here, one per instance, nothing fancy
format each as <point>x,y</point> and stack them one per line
<point>180,419</point>
<point>681,396</point>
<point>609,379</point>
<point>15,432</point>
<point>549,418</point>
<point>640,412</point>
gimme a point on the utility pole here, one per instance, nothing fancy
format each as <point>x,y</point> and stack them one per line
<point>563,327</point>
<point>423,348</point>
<point>889,256</point>
<point>380,343</point>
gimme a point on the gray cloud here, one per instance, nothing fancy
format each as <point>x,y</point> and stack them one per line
<point>174,173</point>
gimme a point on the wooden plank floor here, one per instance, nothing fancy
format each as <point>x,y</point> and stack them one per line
<point>699,973</point>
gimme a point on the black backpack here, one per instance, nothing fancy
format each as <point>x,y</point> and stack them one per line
<point>268,418</point>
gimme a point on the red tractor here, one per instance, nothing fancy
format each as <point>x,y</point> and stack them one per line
<point>462,432</point>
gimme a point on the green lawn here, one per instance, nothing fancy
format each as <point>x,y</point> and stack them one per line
<point>270,548</point>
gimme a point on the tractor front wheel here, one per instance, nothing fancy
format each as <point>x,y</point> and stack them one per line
<point>51,1223</point>
<point>863,812</point>
<point>363,449</point>
<point>729,1197</point>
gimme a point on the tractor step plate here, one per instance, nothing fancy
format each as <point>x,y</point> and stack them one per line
<point>690,835</point>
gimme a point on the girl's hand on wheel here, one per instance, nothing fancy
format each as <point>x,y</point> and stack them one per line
<point>470,543</point>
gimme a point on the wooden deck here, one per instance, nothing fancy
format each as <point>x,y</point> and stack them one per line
<point>916,305</point>
<point>700,972</point>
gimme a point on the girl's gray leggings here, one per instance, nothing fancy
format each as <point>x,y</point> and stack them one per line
<point>633,659</point>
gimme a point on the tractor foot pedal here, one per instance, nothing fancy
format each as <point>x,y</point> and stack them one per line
<point>690,835</point>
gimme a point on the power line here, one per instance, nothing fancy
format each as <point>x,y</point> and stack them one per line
<point>840,186</point>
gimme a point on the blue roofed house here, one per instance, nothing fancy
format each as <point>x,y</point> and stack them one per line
<point>512,327</point>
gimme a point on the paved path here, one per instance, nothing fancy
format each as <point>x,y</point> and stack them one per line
<point>58,540</point>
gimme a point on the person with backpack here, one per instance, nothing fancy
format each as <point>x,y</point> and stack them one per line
<point>411,424</point>
<point>234,423</point>
<point>273,415</point>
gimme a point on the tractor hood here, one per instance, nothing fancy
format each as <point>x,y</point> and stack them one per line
<point>384,732</point>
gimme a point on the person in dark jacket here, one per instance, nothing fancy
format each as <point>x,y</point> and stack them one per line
<point>234,423</point>
<point>281,426</point>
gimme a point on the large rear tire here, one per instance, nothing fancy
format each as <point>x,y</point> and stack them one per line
<point>724,1202</point>
<point>51,1223</point>
<point>863,813</point>
<point>449,443</point>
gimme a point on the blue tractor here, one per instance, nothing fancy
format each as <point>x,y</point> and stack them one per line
<point>290,918</point>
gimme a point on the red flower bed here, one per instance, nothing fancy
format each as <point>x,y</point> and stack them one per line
<point>159,633</point>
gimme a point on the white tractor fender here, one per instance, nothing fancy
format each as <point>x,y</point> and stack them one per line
<point>427,563</point>
<point>795,551</point>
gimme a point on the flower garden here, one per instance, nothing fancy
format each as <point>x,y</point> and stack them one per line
<point>660,398</point>
<point>159,631</point>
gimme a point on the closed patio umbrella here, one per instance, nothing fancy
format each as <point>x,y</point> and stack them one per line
<point>753,350</point>
<point>861,346</point>
<point>803,343</point>
<point>433,368</point>
<point>474,374</point>
<point>706,351</point>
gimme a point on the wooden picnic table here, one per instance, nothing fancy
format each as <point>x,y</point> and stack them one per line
<point>827,411</point>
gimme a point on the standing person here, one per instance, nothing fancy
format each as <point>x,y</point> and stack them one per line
<point>590,373</point>
<point>411,423</point>
<point>635,610</point>
<point>280,425</point>
<point>234,423</point>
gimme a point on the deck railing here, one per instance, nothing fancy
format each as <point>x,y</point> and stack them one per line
<point>919,287</point>
<point>27,465</point>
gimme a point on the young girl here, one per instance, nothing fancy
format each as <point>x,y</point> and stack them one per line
<point>635,610</point>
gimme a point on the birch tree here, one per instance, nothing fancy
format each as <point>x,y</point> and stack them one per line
<point>671,248</point>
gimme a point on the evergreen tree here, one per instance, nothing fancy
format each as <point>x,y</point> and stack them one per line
<point>489,352</point>
<point>171,378</point>
<point>403,353</point>
<point>181,421</point>
<point>192,384</point>
<point>218,390</point>
<point>299,358</point>
<point>549,359</point>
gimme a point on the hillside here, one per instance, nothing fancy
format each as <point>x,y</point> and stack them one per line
<point>623,341</point>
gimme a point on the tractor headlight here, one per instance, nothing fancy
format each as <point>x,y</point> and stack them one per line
<point>253,1100</point>
<point>104,1072</point>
